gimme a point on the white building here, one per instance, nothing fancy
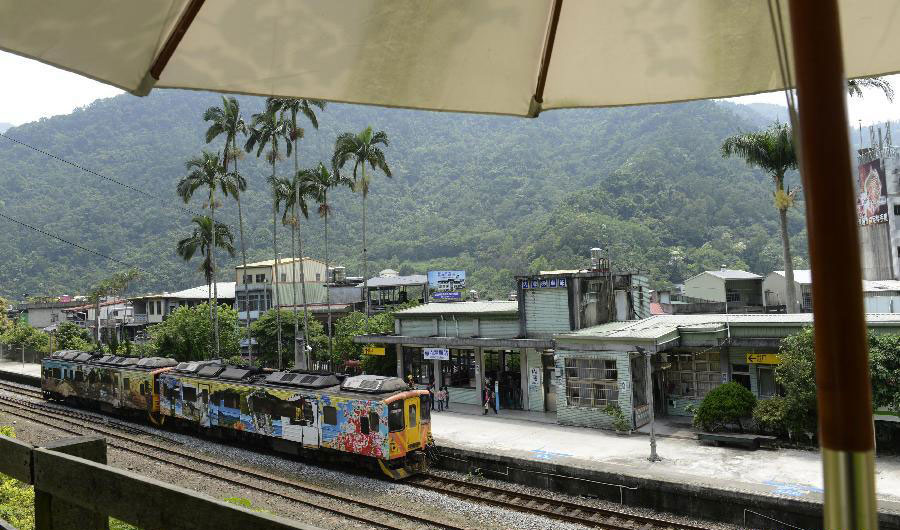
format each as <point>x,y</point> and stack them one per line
<point>775,285</point>
<point>254,286</point>
<point>738,288</point>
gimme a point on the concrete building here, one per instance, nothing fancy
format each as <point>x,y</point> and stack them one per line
<point>690,354</point>
<point>879,296</point>
<point>775,286</point>
<point>390,288</point>
<point>114,314</point>
<point>153,308</point>
<point>44,315</point>
<point>254,287</point>
<point>878,207</point>
<point>742,290</point>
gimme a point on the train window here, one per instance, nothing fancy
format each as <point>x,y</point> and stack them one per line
<point>426,408</point>
<point>189,393</point>
<point>395,417</point>
<point>329,415</point>
<point>364,425</point>
<point>412,415</point>
<point>307,413</point>
<point>373,421</point>
<point>126,383</point>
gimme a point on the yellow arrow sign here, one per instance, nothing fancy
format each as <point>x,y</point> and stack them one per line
<point>373,350</point>
<point>763,358</point>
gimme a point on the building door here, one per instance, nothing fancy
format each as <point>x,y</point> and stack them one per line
<point>311,428</point>
<point>548,362</point>
<point>413,438</point>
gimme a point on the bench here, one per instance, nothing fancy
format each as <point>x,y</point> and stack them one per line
<point>750,441</point>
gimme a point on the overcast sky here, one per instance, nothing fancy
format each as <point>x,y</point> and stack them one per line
<point>30,90</point>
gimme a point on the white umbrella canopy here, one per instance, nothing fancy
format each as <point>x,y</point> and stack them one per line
<point>452,55</point>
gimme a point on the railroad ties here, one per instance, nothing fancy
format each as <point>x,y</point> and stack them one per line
<point>548,507</point>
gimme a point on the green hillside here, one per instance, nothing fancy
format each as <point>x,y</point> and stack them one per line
<point>493,195</point>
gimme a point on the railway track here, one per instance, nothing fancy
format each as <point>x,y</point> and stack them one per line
<point>230,473</point>
<point>567,511</point>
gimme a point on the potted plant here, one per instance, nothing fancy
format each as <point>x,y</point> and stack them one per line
<point>620,423</point>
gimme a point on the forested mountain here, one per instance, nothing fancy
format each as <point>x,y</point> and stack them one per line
<point>493,195</point>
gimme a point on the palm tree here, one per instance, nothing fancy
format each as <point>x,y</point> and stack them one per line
<point>206,171</point>
<point>112,285</point>
<point>269,128</point>
<point>361,149</point>
<point>202,240</point>
<point>321,180</point>
<point>855,86</point>
<point>227,120</point>
<point>772,150</point>
<point>295,107</point>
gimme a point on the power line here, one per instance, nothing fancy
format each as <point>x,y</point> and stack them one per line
<point>76,245</point>
<point>104,177</point>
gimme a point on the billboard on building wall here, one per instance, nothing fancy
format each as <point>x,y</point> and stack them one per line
<point>446,280</point>
<point>872,203</point>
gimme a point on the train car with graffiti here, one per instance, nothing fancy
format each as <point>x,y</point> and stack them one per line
<point>114,383</point>
<point>363,416</point>
<point>363,419</point>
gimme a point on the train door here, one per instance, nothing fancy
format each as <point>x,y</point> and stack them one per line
<point>311,428</point>
<point>413,417</point>
<point>203,389</point>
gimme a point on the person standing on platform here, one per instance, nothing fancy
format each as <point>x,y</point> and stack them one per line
<point>431,393</point>
<point>410,385</point>
<point>440,400</point>
<point>486,399</point>
<point>446,397</point>
<point>493,400</point>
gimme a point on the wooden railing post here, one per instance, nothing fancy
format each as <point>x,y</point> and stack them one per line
<point>53,513</point>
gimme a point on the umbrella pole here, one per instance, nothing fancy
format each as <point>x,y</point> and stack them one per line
<point>846,428</point>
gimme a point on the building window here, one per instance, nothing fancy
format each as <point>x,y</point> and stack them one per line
<point>150,307</point>
<point>318,277</point>
<point>415,365</point>
<point>732,295</point>
<point>283,277</point>
<point>459,371</point>
<point>807,301</point>
<point>740,373</point>
<point>248,278</point>
<point>693,375</point>
<point>591,383</point>
<point>897,209</point>
<point>159,307</point>
<point>260,278</point>
<point>766,380</point>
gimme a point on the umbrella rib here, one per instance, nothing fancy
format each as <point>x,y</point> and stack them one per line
<point>548,51</point>
<point>187,18</point>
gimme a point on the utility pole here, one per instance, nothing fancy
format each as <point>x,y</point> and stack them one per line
<point>649,390</point>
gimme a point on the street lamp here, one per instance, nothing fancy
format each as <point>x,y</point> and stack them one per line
<point>649,390</point>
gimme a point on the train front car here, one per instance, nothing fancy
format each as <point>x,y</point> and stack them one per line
<point>408,423</point>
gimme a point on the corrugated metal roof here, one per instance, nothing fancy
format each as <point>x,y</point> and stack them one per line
<point>658,326</point>
<point>397,281</point>
<point>801,276</point>
<point>498,306</point>
<point>225,290</point>
<point>874,286</point>
<point>732,274</point>
<point>281,261</point>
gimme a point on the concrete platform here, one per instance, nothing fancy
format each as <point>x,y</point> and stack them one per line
<point>780,481</point>
<point>29,369</point>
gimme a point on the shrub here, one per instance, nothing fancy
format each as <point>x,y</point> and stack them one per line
<point>724,405</point>
<point>770,415</point>
<point>620,423</point>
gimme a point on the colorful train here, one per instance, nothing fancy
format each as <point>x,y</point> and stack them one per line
<point>366,419</point>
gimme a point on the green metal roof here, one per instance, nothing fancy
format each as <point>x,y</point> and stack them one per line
<point>664,327</point>
<point>462,308</point>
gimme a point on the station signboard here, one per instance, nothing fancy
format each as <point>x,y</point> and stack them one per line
<point>454,295</point>
<point>436,354</point>
<point>373,350</point>
<point>544,283</point>
<point>763,358</point>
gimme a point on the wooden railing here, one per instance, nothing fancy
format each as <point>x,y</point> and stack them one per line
<point>75,489</point>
